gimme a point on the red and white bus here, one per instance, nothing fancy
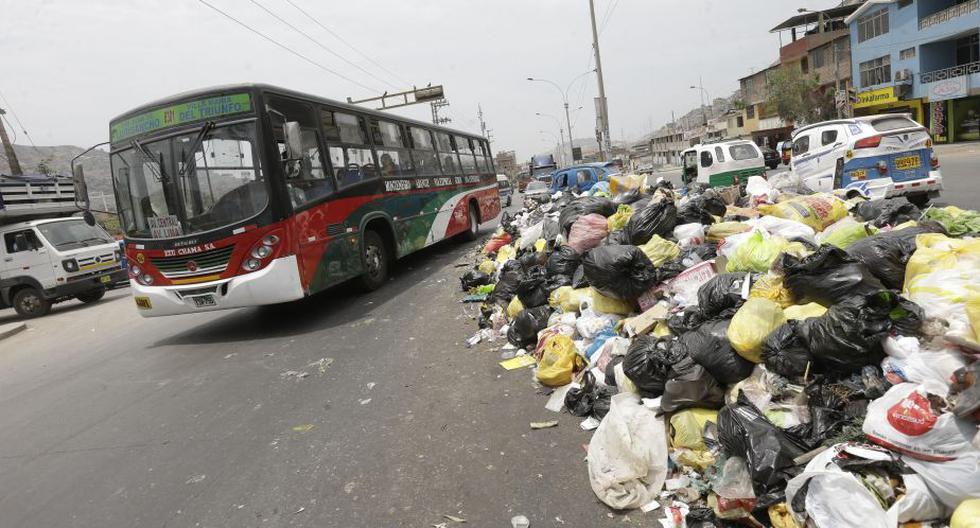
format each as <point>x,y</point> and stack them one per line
<point>251,194</point>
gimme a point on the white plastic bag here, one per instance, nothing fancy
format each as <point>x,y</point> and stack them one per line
<point>918,503</point>
<point>933,365</point>
<point>903,420</point>
<point>953,481</point>
<point>900,347</point>
<point>628,454</point>
<point>788,229</point>
<point>730,244</point>
<point>758,187</point>
<point>531,235</point>
<point>590,324</point>
<point>689,235</point>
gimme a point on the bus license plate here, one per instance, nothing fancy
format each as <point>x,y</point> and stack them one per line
<point>202,301</point>
<point>105,279</point>
<point>143,303</point>
<point>908,162</point>
<point>859,174</point>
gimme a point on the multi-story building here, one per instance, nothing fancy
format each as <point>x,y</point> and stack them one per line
<point>506,163</point>
<point>667,144</point>
<point>921,57</point>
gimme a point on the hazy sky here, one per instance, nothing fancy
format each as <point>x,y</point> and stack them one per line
<point>69,66</point>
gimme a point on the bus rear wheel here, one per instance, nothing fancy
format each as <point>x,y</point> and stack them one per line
<point>473,228</point>
<point>374,255</point>
<point>30,303</point>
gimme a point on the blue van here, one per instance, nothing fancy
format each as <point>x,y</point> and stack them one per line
<point>581,178</point>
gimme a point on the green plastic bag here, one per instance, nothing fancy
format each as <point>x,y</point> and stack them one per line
<point>848,235</point>
<point>757,253</point>
<point>620,218</point>
<point>956,221</point>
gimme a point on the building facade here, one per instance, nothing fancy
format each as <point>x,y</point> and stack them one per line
<point>506,163</point>
<point>666,146</point>
<point>921,57</point>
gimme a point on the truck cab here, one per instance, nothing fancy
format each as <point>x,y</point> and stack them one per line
<point>46,261</point>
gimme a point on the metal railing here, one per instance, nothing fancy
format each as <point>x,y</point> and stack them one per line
<point>948,14</point>
<point>949,73</point>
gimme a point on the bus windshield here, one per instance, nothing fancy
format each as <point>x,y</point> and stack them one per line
<point>202,180</point>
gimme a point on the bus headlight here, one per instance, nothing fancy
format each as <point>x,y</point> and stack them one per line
<point>70,265</point>
<point>270,240</point>
<point>251,264</point>
<point>135,270</point>
<point>261,251</point>
<point>147,279</point>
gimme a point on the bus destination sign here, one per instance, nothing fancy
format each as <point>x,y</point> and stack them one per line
<point>180,114</point>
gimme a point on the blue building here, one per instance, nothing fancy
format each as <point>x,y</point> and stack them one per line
<point>920,57</point>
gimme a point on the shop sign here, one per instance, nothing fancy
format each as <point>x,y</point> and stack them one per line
<point>876,97</point>
<point>937,121</point>
<point>948,89</point>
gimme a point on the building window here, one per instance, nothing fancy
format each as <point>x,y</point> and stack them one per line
<point>876,71</point>
<point>968,49</point>
<point>906,54</point>
<point>873,24</point>
<point>750,112</point>
<point>819,57</point>
<point>739,122</point>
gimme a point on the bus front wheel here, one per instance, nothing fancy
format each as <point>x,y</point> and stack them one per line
<point>374,255</point>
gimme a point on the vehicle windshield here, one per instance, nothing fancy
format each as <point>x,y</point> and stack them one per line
<point>537,186</point>
<point>743,151</point>
<point>189,184</point>
<point>71,234</point>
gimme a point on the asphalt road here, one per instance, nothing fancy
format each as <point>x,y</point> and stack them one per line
<point>112,420</point>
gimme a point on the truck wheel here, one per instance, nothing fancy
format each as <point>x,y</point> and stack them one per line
<point>92,296</point>
<point>29,302</point>
<point>920,200</point>
<point>374,255</point>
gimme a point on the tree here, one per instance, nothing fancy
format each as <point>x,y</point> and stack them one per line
<point>798,98</point>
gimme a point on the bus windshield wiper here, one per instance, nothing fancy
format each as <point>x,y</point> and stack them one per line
<point>149,157</point>
<point>185,162</point>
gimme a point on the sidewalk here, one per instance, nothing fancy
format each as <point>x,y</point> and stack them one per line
<point>10,329</point>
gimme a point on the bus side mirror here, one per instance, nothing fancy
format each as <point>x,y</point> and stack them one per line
<point>294,140</point>
<point>89,218</point>
<point>81,189</point>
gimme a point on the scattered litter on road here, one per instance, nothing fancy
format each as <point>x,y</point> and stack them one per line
<point>195,479</point>
<point>229,356</point>
<point>733,351</point>
<point>365,401</point>
<point>303,428</point>
<point>300,510</point>
<point>298,374</point>
<point>454,519</point>
<point>519,521</point>
<point>321,364</point>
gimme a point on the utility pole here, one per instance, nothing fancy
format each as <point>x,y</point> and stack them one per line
<point>606,141</point>
<point>8,148</point>
<point>436,105</point>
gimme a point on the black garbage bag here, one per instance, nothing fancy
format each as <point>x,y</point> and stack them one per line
<point>583,206</point>
<point>686,320</point>
<point>550,229</point>
<point>588,399</point>
<point>656,219</point>
<point>508,279</point>
<point>616,238</point>
<point>610,371</point>
<point>557,281</point>
<point>578,278</point>
<point>563,261</point>
<point>622,272</point>
<point>532,290</point>
<point>785,352</point>
<point>698,254</point>
<point>708,346</point>
<point>722,292</point>
<point>892,211</point>
<point>531,257</point>
<point>690,385</point>
<point>849,335</point>
<point>523,332</point>
<point>698,517</point>
<point>702,209</point>
<point>627,197</point>
<point>474,278</point>
<point>648,364</point>
<point>907,318</point>
<point>827,276</point>
<point>670,269</point>
<point>887,254</point>
<point>768,450</point>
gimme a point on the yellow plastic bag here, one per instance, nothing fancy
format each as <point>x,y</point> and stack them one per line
<point>770,286</point>
<point>540,245</point>
<point>757,253</point>
<point>661,330</point>
<point>559,360</point>
<point>659,250</point>
<point>514,308</point>
<point>699,460</point>
<point>966,515</point>
<point>942,278</point>
<point>618,220</point>
<point>722,230</point>
<point>688,426</point>
<point>624,183</point>
<point>780,516</point>
<point>816,210</point>
<point>506,253</point>
<point>609,305</point>
<point>488,266</point>
<point>568,298</point>
<point>804,311</point>
<point>750,326</point>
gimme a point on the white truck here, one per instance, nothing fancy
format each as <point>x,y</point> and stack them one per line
<point>47,256</point>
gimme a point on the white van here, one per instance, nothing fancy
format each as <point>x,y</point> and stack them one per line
<point>723,164</point>
<point>55,259</point>
<point>874,156</point>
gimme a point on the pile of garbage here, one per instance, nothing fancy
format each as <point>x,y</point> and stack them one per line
<point>750,356</point>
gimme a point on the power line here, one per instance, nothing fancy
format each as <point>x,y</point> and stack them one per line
<point>328,50</point>
<point>349,45</point>
<point>609,12</point>
<point>287,48</point>
<point>22,127</point>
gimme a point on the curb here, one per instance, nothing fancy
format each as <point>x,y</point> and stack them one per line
<point>8,330</point>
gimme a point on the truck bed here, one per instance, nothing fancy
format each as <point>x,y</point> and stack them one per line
<point>30,199</point>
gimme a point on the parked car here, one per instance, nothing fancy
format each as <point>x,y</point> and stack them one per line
<point>505,190</point>
<point>537,191</point>
<point>771,157</point>
<point>875,156</point>
<point>722,164</point>
<point>581,178</point>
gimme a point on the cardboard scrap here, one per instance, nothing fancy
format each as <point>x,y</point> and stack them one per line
<point>518,362</point>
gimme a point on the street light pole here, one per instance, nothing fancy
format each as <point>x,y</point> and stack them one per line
<point>561,132</point>
<point>564,100</point>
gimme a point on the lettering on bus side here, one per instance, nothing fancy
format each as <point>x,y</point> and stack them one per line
<point>187,250</point>
<point>441,182</point>
<point>398,185</point>
<point>472,179</point>
<point>423,183</point>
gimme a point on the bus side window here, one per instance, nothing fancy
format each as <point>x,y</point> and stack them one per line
<point>466,155</point>
<point>350,153</point>
<point>423,154</point>
<point>706,160</point>
<point>447,156</point>
<point>306,178</point>
<point>394,160</point>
